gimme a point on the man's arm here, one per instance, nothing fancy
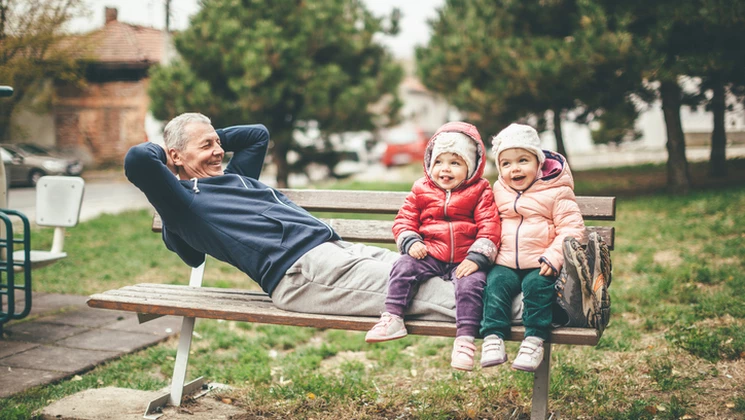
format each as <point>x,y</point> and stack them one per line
<point>189,255</point>
<point>146,166</point>
<point>248,144</point>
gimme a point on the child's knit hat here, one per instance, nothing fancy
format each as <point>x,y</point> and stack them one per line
<point>518,136</point>
<point>457,143</point>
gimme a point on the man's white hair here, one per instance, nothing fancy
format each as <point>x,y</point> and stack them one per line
<point>174,135</point>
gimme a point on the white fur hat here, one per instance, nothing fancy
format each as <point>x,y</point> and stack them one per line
<point>518,136</point>
<point>457,143</point>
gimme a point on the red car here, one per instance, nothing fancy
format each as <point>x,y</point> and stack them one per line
<point>404,145</point>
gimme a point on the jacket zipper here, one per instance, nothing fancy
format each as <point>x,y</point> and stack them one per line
<point>517,232</point>
<point>450,227</point>
<point>274,194</point>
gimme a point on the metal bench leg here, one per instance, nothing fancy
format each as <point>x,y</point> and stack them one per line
<point>539,409</point>
<point>178,389</point>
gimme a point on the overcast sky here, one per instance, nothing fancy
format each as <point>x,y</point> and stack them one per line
<point>414,29</point>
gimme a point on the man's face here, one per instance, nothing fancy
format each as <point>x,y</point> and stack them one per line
<point>202,156</point>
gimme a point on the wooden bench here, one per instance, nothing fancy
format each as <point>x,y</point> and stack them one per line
<point>194,301</point>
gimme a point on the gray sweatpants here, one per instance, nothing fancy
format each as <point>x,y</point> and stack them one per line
<point>342,278</point>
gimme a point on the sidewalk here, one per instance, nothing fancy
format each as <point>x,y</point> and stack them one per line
<point>63,337</point>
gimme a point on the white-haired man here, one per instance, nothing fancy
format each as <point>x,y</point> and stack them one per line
<point>297,259</point>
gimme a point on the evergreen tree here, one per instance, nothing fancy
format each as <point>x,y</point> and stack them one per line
<point>281,62</point>
<point>510,60</point>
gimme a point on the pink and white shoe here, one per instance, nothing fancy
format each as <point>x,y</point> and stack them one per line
<point>463,353</point>
<point>390,327</point>
<point>530,355</point>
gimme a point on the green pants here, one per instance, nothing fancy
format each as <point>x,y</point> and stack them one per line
<point>502,285</point>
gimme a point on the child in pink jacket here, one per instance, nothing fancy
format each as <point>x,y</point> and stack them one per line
<point>535,197</point>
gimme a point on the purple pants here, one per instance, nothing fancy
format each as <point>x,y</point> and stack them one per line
<point>408,273</point>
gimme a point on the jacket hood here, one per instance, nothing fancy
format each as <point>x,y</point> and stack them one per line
<point>554,172</point>
<point>470,131</point>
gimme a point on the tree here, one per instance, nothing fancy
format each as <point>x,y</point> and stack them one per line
<point>32,49</point>
<point>657,48</point>
<point>507,60</point>
<point>281,62</point>
<point>711,35</point>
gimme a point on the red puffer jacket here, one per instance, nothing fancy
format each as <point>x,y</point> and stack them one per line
<point>452,223</point>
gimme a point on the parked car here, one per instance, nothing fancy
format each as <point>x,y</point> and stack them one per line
<point>26,163</point>
<point>404,144</point>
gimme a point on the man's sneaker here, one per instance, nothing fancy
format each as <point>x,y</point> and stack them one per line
<point>492,351</point>
<point>390,327</point>
<point>576,258</point>
<point>530,355</point>
<point>463,352</point>
<point>598,258</point>
<point>572,292</point>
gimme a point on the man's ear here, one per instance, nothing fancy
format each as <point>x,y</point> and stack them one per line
<point>173,160</point>
<point>175,157</point>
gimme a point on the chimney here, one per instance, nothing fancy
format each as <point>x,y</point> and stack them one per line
<point>111,14</point>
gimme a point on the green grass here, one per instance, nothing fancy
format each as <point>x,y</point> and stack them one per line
<point>674,347</point>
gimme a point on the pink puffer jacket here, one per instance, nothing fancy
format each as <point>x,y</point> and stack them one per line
<point>536,221</point>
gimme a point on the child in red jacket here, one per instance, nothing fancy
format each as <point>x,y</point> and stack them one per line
<point>447,227</point>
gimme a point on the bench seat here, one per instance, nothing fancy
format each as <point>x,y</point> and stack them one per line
<point>251,306</point>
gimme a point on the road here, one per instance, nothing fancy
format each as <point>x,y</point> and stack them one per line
<point>108,194</point>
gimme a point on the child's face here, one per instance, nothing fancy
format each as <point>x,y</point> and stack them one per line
<point>518,168</point>
<point>449,170</point>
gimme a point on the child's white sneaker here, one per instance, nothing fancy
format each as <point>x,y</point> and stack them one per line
<point>390,327</point>
<point>492,351</point>
<point>463,352</point>
<point>530,355</point>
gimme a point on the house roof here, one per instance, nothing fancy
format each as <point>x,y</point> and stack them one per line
<point>123,43</point>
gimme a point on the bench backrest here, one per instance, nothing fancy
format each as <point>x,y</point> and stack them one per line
<point>343,205</point>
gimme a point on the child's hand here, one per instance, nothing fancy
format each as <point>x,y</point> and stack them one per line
<point>467,267</point>
<point>418,250</point>
<point>546,270</point>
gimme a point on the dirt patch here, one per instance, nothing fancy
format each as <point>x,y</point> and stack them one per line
<point>332,365</point>
<point>668,258</point>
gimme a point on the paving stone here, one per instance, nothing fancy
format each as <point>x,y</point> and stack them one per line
<point>101,404</point>
<point>15,380</point>
<point>164,326</point>
<point>59,359</point>
<point>127,404</point>
<point>102,339</point>
<point>85,317</point>
<point>41,332</point>
<point>8,348</point>
<point>48,302</point>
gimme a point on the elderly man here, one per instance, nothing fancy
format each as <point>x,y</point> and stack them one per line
<point>297,259</point>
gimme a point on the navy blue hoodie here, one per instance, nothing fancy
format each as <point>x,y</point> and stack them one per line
<point>232,217</point>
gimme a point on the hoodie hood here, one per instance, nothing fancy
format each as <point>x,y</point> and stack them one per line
<point>470,131</point>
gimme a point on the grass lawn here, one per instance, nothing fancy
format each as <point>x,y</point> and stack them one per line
<point>675,347</point>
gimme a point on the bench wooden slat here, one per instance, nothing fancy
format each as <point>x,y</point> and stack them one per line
<point>380,231</point>
<point>250,306</point>
<point>388,202</point>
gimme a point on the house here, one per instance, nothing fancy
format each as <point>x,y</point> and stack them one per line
<point>100,121</point>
